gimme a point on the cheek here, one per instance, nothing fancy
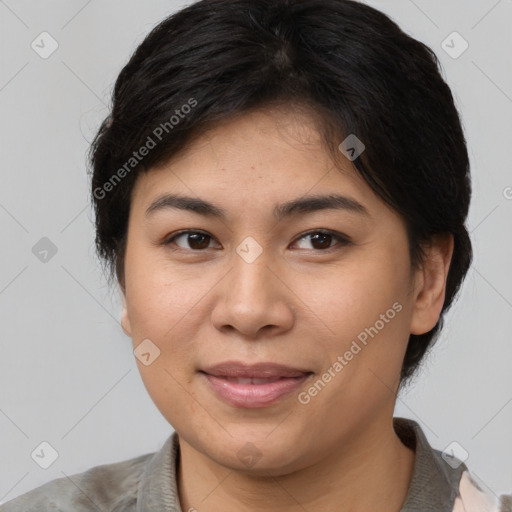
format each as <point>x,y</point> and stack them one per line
<point>352,295</point>
<point>159,295</point>
<point>364,306</point>
<point>165,310</point>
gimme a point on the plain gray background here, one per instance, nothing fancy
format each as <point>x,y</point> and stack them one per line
<point>67,372</point>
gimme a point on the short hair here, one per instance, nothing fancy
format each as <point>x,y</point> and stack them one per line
<point>347,63</point>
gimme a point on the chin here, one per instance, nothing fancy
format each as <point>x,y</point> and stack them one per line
<point>259,455</point>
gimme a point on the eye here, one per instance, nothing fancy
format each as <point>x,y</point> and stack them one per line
<point>197,240</point>
<point>322,239</point>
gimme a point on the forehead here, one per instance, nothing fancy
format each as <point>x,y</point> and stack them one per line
<point>253,155</point>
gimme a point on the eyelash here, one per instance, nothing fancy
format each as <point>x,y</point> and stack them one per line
<point>342,239</point>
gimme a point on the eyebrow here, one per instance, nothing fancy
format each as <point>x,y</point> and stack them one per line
<point>303,205</point>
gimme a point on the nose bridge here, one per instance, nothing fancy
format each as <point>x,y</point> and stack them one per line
<point>250,269</point>
<point>252,297</point>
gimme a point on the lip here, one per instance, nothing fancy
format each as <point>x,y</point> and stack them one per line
<point>280,381</point>
<point>262,370</point>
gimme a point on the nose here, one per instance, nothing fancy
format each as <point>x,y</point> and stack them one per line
<point>253,299</point>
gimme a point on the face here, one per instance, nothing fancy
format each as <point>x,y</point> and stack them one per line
<point>324,289</point>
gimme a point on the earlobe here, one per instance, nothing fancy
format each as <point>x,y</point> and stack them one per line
<point>125,319</point>
<point>432,277</point>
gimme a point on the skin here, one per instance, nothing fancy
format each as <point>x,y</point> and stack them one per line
<point>299,303</point>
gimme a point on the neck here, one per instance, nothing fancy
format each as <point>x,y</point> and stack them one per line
<point>373,470</point>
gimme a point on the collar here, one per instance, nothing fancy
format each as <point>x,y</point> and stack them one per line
<point>433,484</point>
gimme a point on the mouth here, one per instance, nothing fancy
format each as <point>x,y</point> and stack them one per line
<point>253,386</point>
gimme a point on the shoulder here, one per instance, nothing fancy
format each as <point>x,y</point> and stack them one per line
<point>472,498</point>
<point>108,487</point>
<point>440,480</point>
<point>469,496</point>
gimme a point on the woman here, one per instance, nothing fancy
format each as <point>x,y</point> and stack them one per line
<point>281,191</point>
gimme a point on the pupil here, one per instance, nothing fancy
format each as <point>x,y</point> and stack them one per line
<point>321,236</point>
<point>194,244</point>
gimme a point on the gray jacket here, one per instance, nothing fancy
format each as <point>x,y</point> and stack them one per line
<point>148,483</point>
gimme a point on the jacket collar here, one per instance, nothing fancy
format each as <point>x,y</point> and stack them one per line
<point>434,484</point>
<point>158,487</point>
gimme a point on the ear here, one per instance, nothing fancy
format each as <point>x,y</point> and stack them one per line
<point>125,319</point>
<point>430,283</point>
